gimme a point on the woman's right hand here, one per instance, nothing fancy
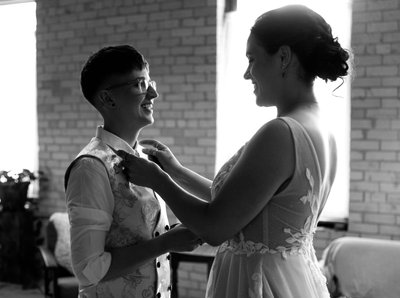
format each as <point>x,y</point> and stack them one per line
<point>161,155</point>
<point>180,238</point>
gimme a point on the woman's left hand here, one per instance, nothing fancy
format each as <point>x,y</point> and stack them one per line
<point>139,170</point>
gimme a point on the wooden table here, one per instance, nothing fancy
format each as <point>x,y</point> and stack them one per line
<point>203,254</point>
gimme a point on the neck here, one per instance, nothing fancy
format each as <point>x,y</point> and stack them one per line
<point>298,97</point>
<point>129,135</point>
<point>301,105</point>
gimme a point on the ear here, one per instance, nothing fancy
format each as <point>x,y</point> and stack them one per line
<point>285,54</point>
<point>106,100</point>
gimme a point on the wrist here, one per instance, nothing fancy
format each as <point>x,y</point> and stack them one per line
<point>163,243</point>
<point>176,172</point>
<point>161,178</point>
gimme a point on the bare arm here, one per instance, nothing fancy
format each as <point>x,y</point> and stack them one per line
<point>126,259</point>
<point>193,182</point>
<point>186,178</point>
<point>266,163</point>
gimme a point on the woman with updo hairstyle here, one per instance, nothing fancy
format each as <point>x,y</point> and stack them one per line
<point>263,206</point>
<point>308,35</point>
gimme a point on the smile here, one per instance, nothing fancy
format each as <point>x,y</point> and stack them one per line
<point>147,106</point>
<point>255,87</point>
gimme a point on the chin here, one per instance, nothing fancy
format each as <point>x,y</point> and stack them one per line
<point>265,101</point>
<point>150,121</point>
<point>260,102</point>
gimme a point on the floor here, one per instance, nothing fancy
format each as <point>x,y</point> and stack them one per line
<point>8,290</point>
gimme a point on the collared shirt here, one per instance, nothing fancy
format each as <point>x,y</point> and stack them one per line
<point>90,204</point>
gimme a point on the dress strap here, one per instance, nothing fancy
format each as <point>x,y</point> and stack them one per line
<point>295,125</point>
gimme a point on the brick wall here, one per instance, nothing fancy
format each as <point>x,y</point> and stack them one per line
<point>179,40</point>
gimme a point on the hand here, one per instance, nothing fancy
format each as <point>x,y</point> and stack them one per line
<point>180,238</point>
<point>139,170</point>
<point>160,154</point>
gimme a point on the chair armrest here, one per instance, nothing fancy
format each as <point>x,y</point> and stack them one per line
<point>48,257</point>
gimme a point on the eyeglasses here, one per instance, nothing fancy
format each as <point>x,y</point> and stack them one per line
<point>140,85</point>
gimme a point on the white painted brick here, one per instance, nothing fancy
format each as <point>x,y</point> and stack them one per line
<point>391,15</point>
<point>382,27</point>
<point>367,17</point>
<point>365,145</point>
<point>382,92</point>
<point>381,135</point>
<point>382,5</point>
<point>364,228</point>
<point>381,71</point>
<point>390,230</point>
<point>378,155</point>
<point>390,145</point>
<point>391,37</point>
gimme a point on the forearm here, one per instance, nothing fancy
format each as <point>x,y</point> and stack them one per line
<point>192,182</point>
<point>191,210</point>
<point>127,259</point>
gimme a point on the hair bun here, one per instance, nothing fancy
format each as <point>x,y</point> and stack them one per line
<point>329,59</point>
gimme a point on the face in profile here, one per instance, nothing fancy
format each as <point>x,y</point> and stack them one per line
<point>134,96</point>
<point>264,72</point>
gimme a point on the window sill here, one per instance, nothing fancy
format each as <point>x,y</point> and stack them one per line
<point>337,224</point>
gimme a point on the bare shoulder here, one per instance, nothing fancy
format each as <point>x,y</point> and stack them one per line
<point>274,134</point>
<point>272,149</point>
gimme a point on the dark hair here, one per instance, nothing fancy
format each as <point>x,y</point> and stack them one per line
<point>114,60</point>
<point>308,35</point>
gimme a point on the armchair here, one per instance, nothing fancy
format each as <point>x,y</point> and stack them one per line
<point>59,281</point>
<point>362,267</point>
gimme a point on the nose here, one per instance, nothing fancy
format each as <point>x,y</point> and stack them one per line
<point>247,74</point>
<point>151,93</point>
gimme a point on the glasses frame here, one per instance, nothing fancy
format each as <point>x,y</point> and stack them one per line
<point>151,83</point>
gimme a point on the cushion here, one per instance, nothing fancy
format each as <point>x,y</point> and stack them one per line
<point>62,246</point>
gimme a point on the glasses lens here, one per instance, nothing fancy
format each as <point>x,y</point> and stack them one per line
<point>153,84</point>
<point>143,85</point>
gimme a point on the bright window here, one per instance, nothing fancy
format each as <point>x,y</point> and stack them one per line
<point>238,117</point>
<point>19,147</point>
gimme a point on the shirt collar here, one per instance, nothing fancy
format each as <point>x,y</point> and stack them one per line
<point>114,141</point>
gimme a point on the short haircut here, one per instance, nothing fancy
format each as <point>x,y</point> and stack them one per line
<point>109,61</point>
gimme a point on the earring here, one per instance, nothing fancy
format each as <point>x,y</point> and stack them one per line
<point>283,70</point>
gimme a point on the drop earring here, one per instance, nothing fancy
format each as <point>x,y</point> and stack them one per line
<point>283,70</point>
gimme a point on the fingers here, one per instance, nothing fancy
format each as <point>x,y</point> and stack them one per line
<point>123,154</point>
<point>150,151</point>
<point>149,142</point>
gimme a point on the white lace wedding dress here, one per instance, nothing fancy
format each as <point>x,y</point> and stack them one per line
<point>273,256</point>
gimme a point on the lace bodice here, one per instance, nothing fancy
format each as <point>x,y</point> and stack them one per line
<point>289,220</point>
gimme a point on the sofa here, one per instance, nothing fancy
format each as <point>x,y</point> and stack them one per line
<point>362,268</point>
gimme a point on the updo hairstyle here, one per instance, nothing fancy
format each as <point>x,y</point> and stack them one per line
<point>308,35</point>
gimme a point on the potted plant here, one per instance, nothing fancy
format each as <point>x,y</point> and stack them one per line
<point>14,188</point>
